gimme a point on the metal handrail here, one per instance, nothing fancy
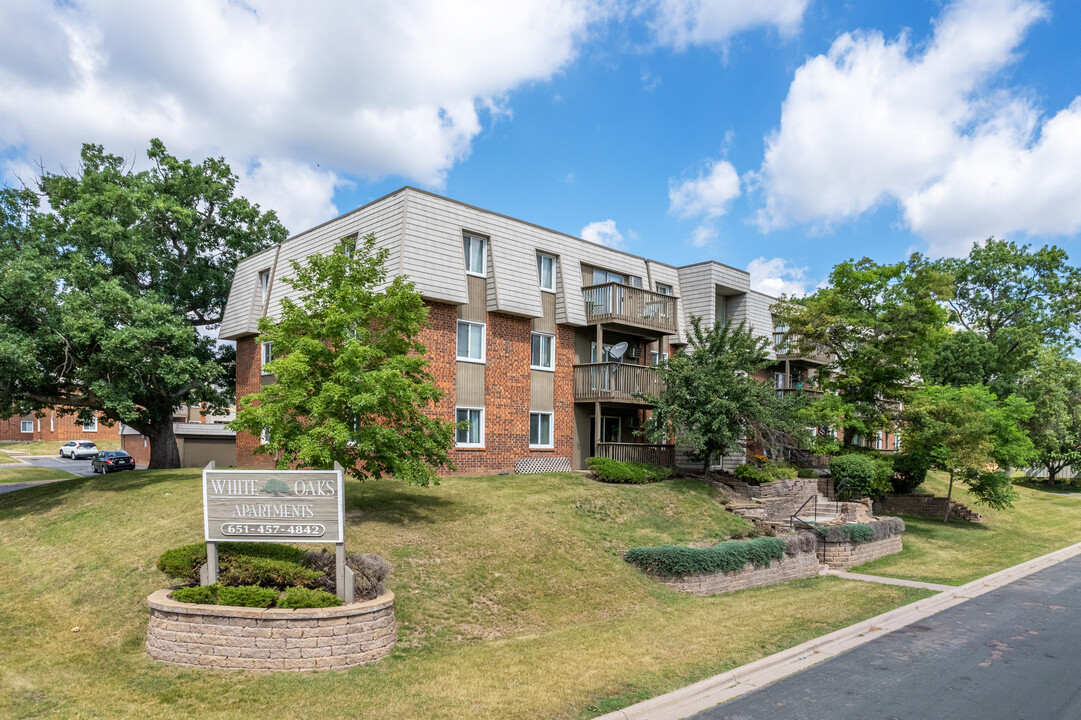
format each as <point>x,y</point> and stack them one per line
<point>795,516</point>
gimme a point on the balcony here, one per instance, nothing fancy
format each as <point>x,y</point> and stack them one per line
<point>630,306</point>
<point>659,455</point>
<point>790,348</point>
<point>611,382</point>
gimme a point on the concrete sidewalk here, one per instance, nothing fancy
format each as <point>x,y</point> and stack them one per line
<point>720,688</point>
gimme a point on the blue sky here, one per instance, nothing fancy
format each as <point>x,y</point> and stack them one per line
<point>781,136</point>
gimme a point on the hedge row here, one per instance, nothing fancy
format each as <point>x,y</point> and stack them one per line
<point>255,596</point>
<point>617,471</point>
<point>676,560</point>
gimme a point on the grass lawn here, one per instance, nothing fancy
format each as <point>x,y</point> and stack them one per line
<point>512,602</point>
<point>5,458</point>
<point>27,473</point>
<point>959,552</point>
<point>52,447</point>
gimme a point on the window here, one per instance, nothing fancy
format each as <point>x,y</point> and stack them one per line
<point>601,277</point>
<point>470,341</point>
<point>266,357</point>
<point>91,425</point>
<point>546,269</point>
<point>472,435</point>
<point>611,429</point>
<point>654,357</point>
<point>26,426</point>
<point>897,441</point>
<point>664,289</point>
<point>878,440</point>
<point>475,254</point>
<point>540,429</point>
<point>606,354</point>
<point>264,436</point>
<point>543,355</point>
<point>780,340</point>
<point>264,284</point>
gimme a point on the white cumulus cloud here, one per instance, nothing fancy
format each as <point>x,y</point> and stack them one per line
<point>603,232</point>
<point>681,23</point>
<point>877,120</point>
<point>775,276</point>
<point>708,194</point>
<point>310,92</point>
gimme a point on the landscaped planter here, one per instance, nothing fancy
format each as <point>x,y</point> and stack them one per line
<point>844,555</point>
<point>799,561</point>
<point>240,638</point>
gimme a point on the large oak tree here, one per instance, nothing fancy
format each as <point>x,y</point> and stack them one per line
<point>109,298</point>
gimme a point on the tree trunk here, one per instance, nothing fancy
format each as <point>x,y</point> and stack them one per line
<point>163,451</point>
<point>949,494</point>
<point>1051,473</point>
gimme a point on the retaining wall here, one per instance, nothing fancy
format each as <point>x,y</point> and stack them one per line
<point>924,506</point>
<point>790,567</point>
<point>844,555</point>
<point>237,638</point>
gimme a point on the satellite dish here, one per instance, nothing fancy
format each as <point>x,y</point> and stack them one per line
<point>618,350</point>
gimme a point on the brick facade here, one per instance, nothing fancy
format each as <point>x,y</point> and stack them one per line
<point>53,426</point>
<point>249,379</point>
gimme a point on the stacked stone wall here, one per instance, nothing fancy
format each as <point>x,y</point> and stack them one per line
<point>924,506</point>
<point>844,555</point>
<point>235,638</point>
<point>789,567</point>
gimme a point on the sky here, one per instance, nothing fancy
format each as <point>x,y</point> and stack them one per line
<point>780,136</point>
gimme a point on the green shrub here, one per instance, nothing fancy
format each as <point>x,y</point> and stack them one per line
<point>298,597</point>
<point>616,471</point>
<point>184,562</point>
<point>674,560</point>
<point>858,476</point>
<point>203,594</point>
<point>806,473</point>
<point>752,474</point>
<point>909,472</point>
<point>856,534</point>
<point>369,572</point>
<point>247,596</point>
<point>780,470</point>
<point>268,572</point>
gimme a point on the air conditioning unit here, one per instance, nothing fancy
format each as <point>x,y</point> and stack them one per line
<point>634,352</point>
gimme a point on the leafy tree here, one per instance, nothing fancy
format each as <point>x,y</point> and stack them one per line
<point>1017,299</point>
<point>968,358</point>
<point>102,299</point>
<point>350,378</point>
<point>875,325</point>
<point>963,431</point>
<point>712,403</point>
<point>1053,386</point>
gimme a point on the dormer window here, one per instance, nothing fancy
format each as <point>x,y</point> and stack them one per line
<point>264,284</point>
<point>476,254</point>
<point>546,269</point>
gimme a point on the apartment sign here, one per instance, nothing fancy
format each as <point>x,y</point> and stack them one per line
<point>273,505</point>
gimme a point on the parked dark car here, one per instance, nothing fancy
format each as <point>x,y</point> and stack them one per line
<point>108,460</point>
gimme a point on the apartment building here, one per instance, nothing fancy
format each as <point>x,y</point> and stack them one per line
<point>540,340</point>
<point>48,424</point>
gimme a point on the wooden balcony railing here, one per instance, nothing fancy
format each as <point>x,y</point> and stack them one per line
<point>791,348</point>
<point>629,305</point>
<point>659,455</point>
<point>615,382</point>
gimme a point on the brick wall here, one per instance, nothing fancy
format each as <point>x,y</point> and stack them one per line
<point>844,555</point>
<point>249,379</point>
<point>924,506</point>
<point>235,638</point>
<point>137,447</point>
<point>790,567</point>
<point>61,427</point>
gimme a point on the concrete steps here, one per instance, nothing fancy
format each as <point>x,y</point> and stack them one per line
<point>822,511</point>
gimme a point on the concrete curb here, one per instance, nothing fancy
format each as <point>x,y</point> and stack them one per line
<point>720,688</point>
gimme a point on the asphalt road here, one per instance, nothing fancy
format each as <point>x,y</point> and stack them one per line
<point>1011,654</point>
<point>75,467</point>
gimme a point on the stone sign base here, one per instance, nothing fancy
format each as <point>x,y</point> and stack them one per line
<point>239,638</point>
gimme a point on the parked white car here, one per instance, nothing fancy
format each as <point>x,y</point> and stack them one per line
<point>78,449</point>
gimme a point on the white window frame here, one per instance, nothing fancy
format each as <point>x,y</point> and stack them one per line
<point>483,342</point>
<point>663,289</point>
<point>467,243</point>
<point>551,430</point>
<point>480,435</point>
<point>619,428</point>
<point>266,354</point>
<point>264,436</point>
<point>91,426</point>
<point>24,423</point>
<point>551,367</point>
<point>541,257</point>
<point>264,284</point>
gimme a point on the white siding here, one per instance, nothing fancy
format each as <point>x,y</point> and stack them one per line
<point>661,273</point>
<point>244,306</point>
<point>760,319</point>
